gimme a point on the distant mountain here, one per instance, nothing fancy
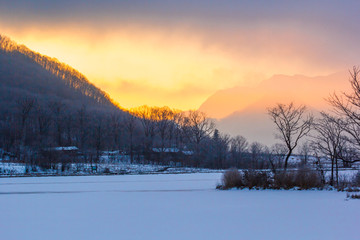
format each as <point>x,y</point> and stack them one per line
<point>24,72</point>
<point>243,111</point>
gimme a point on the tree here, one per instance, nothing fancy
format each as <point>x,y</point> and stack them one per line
<point>198,126</point>
<point>220,148</point>
<point>43,118</point>
<point>116,127</point>
<point>130,124</point>
<point>347,107</point>
<point>57,109</point>
<point>82,122</point>
<point>163,120</point>
<point>25,106</point>
<point>276,156</point>
<point>147,116</point>
<point>292,125</point>
<point>238,147</point>
<point>98,136</point>
<point>256,149</point>
<point>304,151</point>
<point>330,141</point>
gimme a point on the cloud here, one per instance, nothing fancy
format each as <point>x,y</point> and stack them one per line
<point>187,47</point>
<point>137,93</point>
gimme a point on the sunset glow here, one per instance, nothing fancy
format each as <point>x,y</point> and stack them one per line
<point>137,70</point>
<point>156,60</point>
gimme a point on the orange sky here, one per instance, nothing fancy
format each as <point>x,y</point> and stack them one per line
<point>180,56</point>
<point>137,67</point>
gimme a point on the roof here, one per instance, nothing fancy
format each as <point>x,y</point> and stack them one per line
<point>172,150</point>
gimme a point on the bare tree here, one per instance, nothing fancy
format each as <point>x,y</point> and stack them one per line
<point>82,121</point>
<point>292,124</point>
<point>347,107</point>
<point>256,149</point>
<point>330,141</point>
<point>276,156</point>
<point>130,124</point>
<point>238,147</point>
<point>25,106</point>
<point>198,126</point>
<point>57,109</point>
<point>304,151</point>
<point>174,128</point>
<point>147,116</point>
<point>116,127</point>
<point>220,148</point>
<point>179,129</point>
<point>163,123</point>
<point>239,143</point>
<point>98,137</point>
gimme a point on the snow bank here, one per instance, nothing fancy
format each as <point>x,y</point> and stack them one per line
<point>185,206</point>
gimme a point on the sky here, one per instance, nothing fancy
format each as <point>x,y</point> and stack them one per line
<point>178,53</point>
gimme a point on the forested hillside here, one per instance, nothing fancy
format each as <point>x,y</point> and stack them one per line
<point>45,104</point>
<point>26,73</point>
<point>50,113</point>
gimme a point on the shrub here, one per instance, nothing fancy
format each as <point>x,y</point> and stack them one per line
<point>352,189</point>
<point>284,180</point>
<point>231,178</point>
<point>303,179</point>
<point>353,195</point>
<point>343,183</point>
<point>356,181</point>
<point>258,179</point>
<point>107,170</point>
<point>307,179</point>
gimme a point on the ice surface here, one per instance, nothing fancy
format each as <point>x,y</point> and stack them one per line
<point>168,206</point>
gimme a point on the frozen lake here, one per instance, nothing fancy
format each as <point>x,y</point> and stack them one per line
<point>179,206</point>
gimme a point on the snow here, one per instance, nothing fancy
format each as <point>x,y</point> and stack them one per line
<point>8,168</point>
<point>69,148</point>
<point>167,150</point>
<point>168,206</point>
<point>19,169</point>
<point>172,150</point>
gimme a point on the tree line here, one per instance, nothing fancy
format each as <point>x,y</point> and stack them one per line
<point>161,135</point>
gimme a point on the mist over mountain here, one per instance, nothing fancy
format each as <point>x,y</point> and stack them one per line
<point>25,73</point>
<point>243,110</point>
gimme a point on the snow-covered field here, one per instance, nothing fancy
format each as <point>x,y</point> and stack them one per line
<point>180,206</point>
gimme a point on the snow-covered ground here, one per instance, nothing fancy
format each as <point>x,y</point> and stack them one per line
<point>180,206</point>
<point>19,169</point>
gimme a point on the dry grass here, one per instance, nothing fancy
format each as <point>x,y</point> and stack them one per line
<point>231,179</point>
<point>301,179</point>
<point>257,179</point>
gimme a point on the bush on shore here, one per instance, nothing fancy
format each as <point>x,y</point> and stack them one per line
<point>301,179</point>
<point>231,179</point>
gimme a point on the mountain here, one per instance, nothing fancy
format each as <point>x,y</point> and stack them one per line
<point>243,110</point>
<point>25,73</point>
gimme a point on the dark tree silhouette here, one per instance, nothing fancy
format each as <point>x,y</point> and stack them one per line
<point>292,124</point>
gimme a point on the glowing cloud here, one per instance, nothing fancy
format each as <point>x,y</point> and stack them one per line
<point>177,53</point>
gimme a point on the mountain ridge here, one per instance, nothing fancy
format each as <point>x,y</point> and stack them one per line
<point>245,112</point>
<point>26,73</point>
<point>278,88</point>
<point>16,59</point>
